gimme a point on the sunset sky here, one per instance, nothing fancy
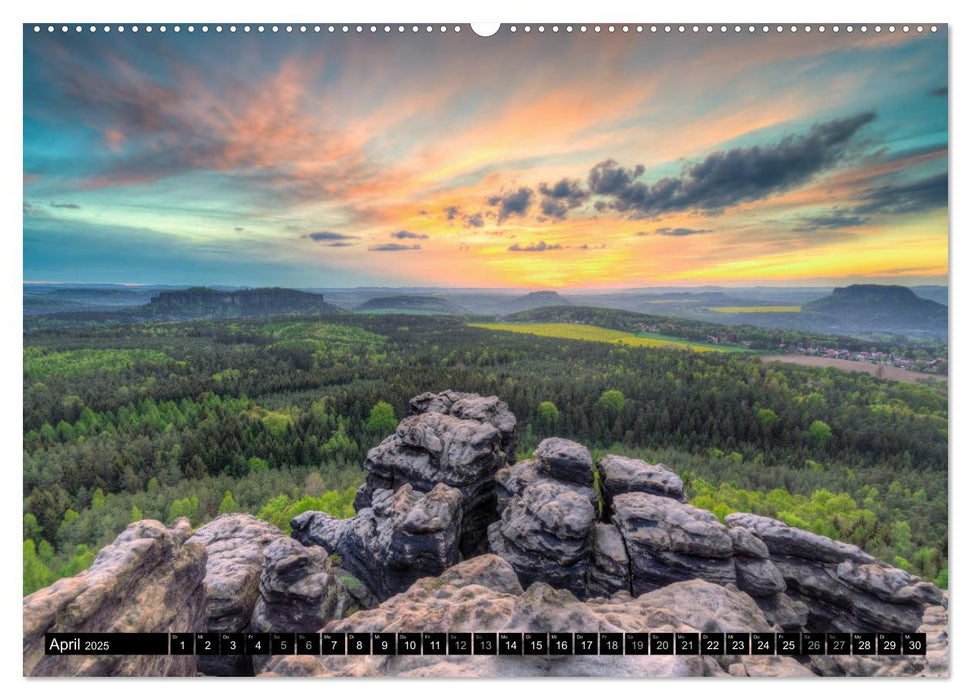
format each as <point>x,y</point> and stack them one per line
<point>519,160</point>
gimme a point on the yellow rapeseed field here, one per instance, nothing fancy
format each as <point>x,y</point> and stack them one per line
<point>578,331</point>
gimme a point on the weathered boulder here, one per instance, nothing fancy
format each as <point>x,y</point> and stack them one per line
<point>431,448</point>
<point>843,587</point>
<point>150,579</point>
<point>565,460</point>
<point>483,409</point>
<point>405,535</point>
<point>299,589</point>
<point>620,475</point>
<point>236,551</point>
<point>513,479</point>
<point>669,541</point>
<point>482,594</point>
<point>545,533</point>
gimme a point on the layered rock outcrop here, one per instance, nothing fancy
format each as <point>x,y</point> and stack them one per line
<point>547,512</point>
<point>453,439</point>
<point>150,579</point>
<point>843,587</point>
<point>405,535</point>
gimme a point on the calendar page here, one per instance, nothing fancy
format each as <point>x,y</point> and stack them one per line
<point>516,350</point>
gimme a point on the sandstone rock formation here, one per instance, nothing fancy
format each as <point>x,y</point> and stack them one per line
<point>455,441</point>
<point>670,541</point>
<point>403,536</point>
<point>150,579</point>
<point>450,536</point>
<point>620,475</point>
<point>843,587</point>
<point>483,594</point>
<point>546,520</point>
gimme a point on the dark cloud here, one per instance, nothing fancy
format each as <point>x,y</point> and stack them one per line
<point>408,235</point>
<point>939,92</point>
<point>554,208</point>
<point>676,232</point>
<point>534,248</point>
<point>476,220</point>
<point>929,193</point>
<point>391,247</point>
<point>238,229</point>
<point>329,236</point>
<point>559,198</point>
<point>727,178</point>
<point>512,203</point>
<point>65,205</point>
<point>338,244</point>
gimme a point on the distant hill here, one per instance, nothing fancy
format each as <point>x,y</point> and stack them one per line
<point>205,303</point>
<point>202,302</point>
<point>876,307</point>
<point>535,300</point>
<point>409,303</point>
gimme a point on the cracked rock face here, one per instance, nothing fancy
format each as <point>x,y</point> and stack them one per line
<point>299,589</point>
<point>431,448</point>
<point>547,513</point>
<point>482,409</point>
<point>403,536</point>
<point>669,541</point>
<point>150,579</point>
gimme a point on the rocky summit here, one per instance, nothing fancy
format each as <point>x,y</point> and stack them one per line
<point>453,534</point>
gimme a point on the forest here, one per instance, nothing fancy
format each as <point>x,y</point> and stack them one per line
<point>275,417</point>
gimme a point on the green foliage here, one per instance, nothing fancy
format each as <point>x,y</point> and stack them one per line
<point>381,421</point>
<point>548,414</point>
<point>32,529</point>
<point>767,416</point>
<point>612,400</point>
<point>40,363</point>
<point>228,504</point>
<point>155,434</point>
<point>282,509</point>
<point>351,583</point>
<point>257,465</point>
<point>36,573</point>
<point>185,508</point>
<point>820,433</point>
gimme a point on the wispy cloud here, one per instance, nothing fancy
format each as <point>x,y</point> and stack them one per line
<point>540,247</point>
<point>405,235</point>
<point>392,247</point>
<point>676,232</point>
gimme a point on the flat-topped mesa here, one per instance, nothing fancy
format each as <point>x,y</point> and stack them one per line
<point>455,441</point>
<point>843,587</point>
<point>403,536</point>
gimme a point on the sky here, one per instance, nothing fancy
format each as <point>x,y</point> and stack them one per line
<point>554,161</point>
